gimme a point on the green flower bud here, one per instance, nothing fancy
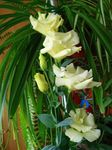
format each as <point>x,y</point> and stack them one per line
<point>43,63</point>
<point>41,82</point>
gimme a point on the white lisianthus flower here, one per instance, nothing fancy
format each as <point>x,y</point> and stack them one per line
<point>45,24</point>
<point>60,45</point>
<point>83,126</point>
<point>74,78</point>
<point>41,82</point>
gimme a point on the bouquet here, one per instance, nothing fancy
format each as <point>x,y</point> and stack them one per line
<point>57,77</point>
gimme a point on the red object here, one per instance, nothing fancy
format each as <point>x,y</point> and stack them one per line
<point>79,54</point>
<point>60,98</point>
<point>109,111</point>
<point>89,93</point>
<point>76,97</point>
<point>89,109</point>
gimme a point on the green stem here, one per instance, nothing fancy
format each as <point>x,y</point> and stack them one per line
<point>50,87</point>
<point>54,2</point>
<point>51,136</point>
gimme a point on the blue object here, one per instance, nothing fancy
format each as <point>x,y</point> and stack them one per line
<point>84,103</point>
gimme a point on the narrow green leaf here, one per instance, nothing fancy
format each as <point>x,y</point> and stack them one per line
<point>18,36</point>
<point>19,70</point>
<point>15,130</point>
<point>31,55</point>
<point>98,91</point>
<point>69,15</point>
<point>14,21</point>
<point>105,147</point>
<point>108,84</point>
<point>107,101</point>
<point>100,30</point>
<point>108,119</point>
<point>89,55</point>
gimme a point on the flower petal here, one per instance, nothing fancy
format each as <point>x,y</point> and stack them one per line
<point>72,114</point>
<point>78,119</point>
<point>60,45</point>
<point>89,120</point>
<point>45,24</point>
<point>80,127</point>
<point>74,135</point>
<point>66,52</point>
<point>79,70</point>
<point>70,80</point>
<point>92,135</point>
<point>94,84</point>
<point>63,82</point>
<point>58,72</point>
<point>74,78</point>
<point>83,85</point>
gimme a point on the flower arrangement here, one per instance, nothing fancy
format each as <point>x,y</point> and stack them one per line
<point>55,78</point>
<point>59,45</point>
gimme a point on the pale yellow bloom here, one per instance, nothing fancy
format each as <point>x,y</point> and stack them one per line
<point>83,126</point>
<point>45,24</point>
<point>74,78</point>
<point>60,45</point>
<point>43,63</point>
<point>41,82</point>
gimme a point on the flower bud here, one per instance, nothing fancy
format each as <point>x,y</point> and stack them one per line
<point>43,63</point>
<point>41,82</point>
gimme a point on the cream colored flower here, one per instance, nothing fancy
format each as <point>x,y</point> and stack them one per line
<point>41,82</point>
<point>60,45</point>
<point>45,24</point>
<point>43,63</point>
<point>74,78</point>
<point>83,126</point>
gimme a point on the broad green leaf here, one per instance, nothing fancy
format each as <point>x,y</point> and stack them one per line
<point>47,120</point>
<point>50,147</point>
<point>67,62</point>
<point>65,122</point>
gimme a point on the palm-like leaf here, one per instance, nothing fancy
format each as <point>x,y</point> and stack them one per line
<point>92,20</point>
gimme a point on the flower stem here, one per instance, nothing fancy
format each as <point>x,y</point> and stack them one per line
<point>54,2</point>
